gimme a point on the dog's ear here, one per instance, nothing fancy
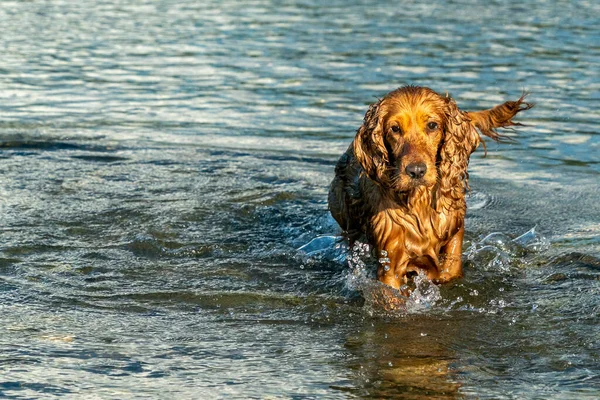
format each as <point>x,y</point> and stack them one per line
<point>459,141</point>
<point>487,121</point>
<point>369,147</point>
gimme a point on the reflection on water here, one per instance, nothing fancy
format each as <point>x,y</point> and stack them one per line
<point>164,181</point>
<point>410,359</point>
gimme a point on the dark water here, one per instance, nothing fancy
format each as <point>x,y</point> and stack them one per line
<point>162,162</point>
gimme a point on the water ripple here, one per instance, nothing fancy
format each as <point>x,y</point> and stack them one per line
<point>162,163</point>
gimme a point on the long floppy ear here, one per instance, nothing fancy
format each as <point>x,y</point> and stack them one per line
<point>459,141</point>
<point>369,148</point>
<point>487,121</point>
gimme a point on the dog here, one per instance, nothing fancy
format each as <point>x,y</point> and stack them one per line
<point>401,184</point>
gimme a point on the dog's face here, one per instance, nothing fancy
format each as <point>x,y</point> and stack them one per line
<point>412,126</point>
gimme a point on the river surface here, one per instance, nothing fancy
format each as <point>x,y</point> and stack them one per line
<point>164,229</point>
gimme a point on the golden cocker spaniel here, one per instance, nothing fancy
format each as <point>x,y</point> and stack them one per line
<point>402,182</point>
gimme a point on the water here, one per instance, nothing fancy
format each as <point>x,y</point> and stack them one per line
<point>163,161</point>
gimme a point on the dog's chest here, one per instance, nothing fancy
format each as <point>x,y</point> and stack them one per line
<point>417,231</point>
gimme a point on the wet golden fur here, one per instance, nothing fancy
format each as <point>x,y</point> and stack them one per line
<point>402,182</point>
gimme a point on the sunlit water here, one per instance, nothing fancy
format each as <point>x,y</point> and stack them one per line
<point>163,161</point>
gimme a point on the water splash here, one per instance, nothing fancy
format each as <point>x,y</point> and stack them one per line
<point>380,298</point>
<point>532,241</point>
<point>494,252</point>
<point>499,252</point>
<point>478,200</point>
<point>357,262</point>
<point>318,245</point>
<point>384,260</point>
<point>425,294</point>
<point>361,277</point>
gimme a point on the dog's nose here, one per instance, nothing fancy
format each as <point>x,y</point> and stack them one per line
<point>416,170</point>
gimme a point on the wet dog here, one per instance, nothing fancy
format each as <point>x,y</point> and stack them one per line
<point>401,184</point>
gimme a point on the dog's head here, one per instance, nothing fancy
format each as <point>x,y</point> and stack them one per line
<point>414,137</point>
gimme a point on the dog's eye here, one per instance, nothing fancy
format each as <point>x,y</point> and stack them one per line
<point>432,125</point>
<point>395,128</point>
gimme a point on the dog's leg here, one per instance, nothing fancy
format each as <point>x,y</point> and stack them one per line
<point>392,268</point>
<point>452,264</point>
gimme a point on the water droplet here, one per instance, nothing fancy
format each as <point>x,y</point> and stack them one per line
<point>390,364</point>
<point>534,307</point>
<point>423,334</point>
